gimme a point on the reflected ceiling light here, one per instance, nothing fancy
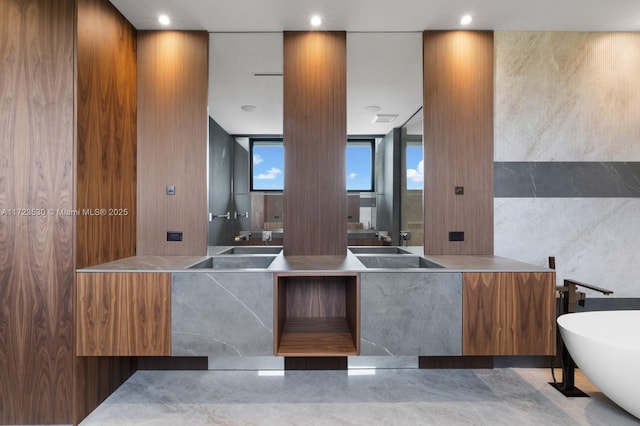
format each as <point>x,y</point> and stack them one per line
<point>466,20</point>
<point>372,108</point>
<point>249,108</point>
<point>316,21</point>
<point>164,20</point>
<point>384,118</point>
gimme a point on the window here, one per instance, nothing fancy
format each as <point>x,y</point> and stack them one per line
<point>267,164</point>
<point>415,165</point>
<point>360,165</point>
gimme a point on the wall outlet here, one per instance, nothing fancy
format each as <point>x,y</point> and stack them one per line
<point>456,236</point>
<point>174,235</point>
<point>266,236</point>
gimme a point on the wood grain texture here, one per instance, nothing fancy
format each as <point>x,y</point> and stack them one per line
<point>508,313</point>
<point>106,170</point>
<point>36,172</point>
<point>316,337</point>
<point>315,297</point>
<point>315,138</point>
<point>458,141</point>
<point>106,134</point>
<point>172,141</point>
<point>317,315</point>
<point>123,314</point>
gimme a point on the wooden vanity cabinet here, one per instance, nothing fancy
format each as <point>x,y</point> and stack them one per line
<point>123,314</point>
<point>508,313</point>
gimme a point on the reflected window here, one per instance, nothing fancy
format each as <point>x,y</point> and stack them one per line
<point>267,164</point>
<point>360,165</point>
<point>415,165</point>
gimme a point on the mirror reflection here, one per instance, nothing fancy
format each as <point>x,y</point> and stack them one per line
<point>384,90</point>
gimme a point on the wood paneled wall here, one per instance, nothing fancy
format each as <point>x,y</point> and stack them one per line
<point>458,141</point>
<point>36,246</point>
<point>106,170</point>
<point>315,138</point>
<point>106,136</point>
<point>172,141</point>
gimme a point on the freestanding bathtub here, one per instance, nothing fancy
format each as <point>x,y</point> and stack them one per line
<point>606,347</point>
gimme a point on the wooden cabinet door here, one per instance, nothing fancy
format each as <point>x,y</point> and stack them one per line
<point>508,313</point>
<point>123,313</point>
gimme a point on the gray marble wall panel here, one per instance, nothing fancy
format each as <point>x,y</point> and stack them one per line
<point>222,314</point>
<point>567,96</point>
<point>411,314</point>
<point>594,240</point>
<point>566,179</point>
<point>570,97</point>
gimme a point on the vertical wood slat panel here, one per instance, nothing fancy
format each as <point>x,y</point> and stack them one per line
<point>458,141</point>
<point>36,172</point>
<point>508,313</point>
<point>172,141</point>
<point>121,314</point>
<point>106,134</point>
<point>315,138</point>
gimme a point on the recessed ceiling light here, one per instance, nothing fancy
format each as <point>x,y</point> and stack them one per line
<point>466,20</point>
<point>249,108</point>
<point>164,20</point>
<point>372,108</point>
<point>316,21</point>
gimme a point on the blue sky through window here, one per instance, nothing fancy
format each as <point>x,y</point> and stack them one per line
<point>359,163</point>
<point>268,166</point>
<point>415,166</point>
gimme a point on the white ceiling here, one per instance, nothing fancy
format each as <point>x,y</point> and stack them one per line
<point>383,69</point>
<point>384,59</point>
<point>384,15</point>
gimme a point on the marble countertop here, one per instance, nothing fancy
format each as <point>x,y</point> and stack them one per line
<point>449,263</point>
<point>480,263</point>
<point>146,263</point>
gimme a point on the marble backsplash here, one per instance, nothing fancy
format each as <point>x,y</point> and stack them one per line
<point>569,97</point>
<point>594,240</point>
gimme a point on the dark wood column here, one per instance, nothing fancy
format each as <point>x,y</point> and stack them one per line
<point>315,138</point>
<point>458,142</point>
<point>36,191</point>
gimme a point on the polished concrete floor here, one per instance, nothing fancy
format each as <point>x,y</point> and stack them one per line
<point>501,396</point>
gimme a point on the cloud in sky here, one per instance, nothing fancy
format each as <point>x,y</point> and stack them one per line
<point>352,175</point>
<point>272,173</point>
<point>416,175</point>
<point>257,159</point>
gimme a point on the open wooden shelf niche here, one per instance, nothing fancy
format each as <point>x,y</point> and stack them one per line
<point>317,314</point>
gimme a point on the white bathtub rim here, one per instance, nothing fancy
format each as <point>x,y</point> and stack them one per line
<point>608,339</point>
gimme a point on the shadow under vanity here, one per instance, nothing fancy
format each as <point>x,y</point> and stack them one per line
<point>247,307</point>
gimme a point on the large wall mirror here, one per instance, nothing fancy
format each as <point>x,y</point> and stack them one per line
<point>384,91</point>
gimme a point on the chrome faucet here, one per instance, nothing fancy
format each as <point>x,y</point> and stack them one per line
<point>244,236</point>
